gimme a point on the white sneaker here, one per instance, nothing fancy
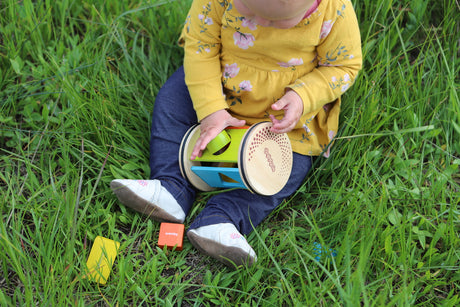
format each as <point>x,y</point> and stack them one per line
<point>224,243</point>
<point>148,197</point>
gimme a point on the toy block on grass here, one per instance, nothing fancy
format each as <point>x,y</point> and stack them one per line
<point>171,235</point>
<point>101,259</point>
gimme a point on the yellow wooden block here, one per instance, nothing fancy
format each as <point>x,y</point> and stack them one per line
<point>101,259</point>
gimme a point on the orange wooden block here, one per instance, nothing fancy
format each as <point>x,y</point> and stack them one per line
<point>171,235</point>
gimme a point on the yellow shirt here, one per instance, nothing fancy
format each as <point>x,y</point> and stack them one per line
<point>231,63</point>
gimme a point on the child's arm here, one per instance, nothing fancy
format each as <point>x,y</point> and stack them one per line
<point>203,75</point>
<point>339,61</point>
<point>201,40</point>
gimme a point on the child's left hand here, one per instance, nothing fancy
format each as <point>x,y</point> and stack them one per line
<point>292,105</point>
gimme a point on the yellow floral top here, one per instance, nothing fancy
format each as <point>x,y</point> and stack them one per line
<point>232,63</point>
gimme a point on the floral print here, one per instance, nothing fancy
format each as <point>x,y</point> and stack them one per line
<point>308,132</point>
<point>205,48</point>
<point>231,71</point>
<point>336,55</point>
<point>206,20</point>
<point>291,63</point>
<point>243,40</point>
<point>341,12</point>
<point>343,83</point>
<point>233,96</point>
<point>246,85</point>
<point>326,29</point>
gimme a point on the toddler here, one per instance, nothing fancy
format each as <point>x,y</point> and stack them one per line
<point>246,61</point>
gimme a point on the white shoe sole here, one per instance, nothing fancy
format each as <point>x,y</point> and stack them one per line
<point>130,199</point>
<point>231,256</point>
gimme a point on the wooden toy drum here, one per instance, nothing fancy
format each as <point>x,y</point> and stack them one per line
<point>252,158</point>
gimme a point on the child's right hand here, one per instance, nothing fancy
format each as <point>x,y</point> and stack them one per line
<point>211,126</point>
<point>292,105</point>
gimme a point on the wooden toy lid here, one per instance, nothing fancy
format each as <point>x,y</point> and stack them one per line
<point>265,159</point>
<point>185,164</point>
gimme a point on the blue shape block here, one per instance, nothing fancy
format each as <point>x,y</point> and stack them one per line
<point>213,176</point>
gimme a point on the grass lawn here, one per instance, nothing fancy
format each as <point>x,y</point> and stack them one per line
<point>376,224</point>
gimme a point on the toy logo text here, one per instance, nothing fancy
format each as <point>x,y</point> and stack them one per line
<point>269,159</point>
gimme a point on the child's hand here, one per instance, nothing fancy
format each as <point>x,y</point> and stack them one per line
<point>211,126</point>
<point>292,105</point>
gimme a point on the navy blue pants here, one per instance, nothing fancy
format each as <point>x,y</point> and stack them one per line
<point>173,115</point>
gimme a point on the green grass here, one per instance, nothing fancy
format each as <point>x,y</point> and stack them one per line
<point>78,82</point>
